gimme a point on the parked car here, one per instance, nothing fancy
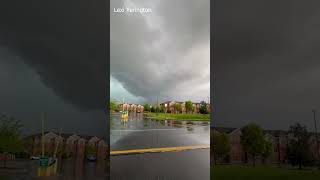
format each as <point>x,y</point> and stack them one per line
<point>34,157</point>
<point>92,158</point>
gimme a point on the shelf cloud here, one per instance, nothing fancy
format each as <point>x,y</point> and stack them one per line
<point>53,60</point>
<point>64,43</point>
<point>164,54</point>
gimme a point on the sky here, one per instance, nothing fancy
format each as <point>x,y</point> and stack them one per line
<point>164,54</point>
<point>266,62</point>
<point>53,60</point>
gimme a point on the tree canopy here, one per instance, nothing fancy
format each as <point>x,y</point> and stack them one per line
<point>298,154</point>
<point>177,107</point>
<point>189,106</point>
<point>153,109</point>
<point>146,107</point>
<point>221,146</point>
<point>267,150</point>
<point>10,141</point>
<point>113,105</point>
<point>203,108</point>
<point>253,140</point>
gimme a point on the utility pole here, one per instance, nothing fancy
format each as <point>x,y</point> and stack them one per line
<point>157,108</point>
<point>316,135</point>
<point>42,134</point>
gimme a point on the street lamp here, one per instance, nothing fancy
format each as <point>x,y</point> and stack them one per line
<point>316,134</point>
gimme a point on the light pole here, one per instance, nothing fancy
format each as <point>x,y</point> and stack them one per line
<point>316,135</point>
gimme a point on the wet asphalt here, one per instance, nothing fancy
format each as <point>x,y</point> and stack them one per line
<point>141,133</point>
<point>185,165</point>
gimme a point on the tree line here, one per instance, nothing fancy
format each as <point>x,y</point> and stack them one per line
<point>254,142</point>
<point>10,137</point>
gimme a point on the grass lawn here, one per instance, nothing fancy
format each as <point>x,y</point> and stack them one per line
<point>233,172</point>
<point>187,117</point>
<point>2,177</point>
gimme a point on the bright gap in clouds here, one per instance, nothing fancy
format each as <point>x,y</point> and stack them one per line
<point>118,93</point>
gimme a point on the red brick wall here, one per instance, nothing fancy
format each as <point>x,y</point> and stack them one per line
<point>236,154</point>
<point>80,151</point>
<point>102,151</point>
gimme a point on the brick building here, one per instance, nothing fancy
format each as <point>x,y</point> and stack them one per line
<point>169,107</point>
<point>71,145</point>
<point>131,107</point>
<point>278,138</point>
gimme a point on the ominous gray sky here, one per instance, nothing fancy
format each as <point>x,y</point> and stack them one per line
<point>53,59</point>
<point>165,53</point>
<point>267,62</point>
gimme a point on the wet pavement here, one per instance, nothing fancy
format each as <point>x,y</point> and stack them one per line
<point>185,165</point>
<point>140,133</point>
<point>67,170</point>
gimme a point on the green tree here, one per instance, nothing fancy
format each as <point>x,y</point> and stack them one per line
<point>252,140</point>
<point>267,150</point>
<point>157,109</point>
<point>177,107</point>
<point>298,154</point>
<point>153,109</point>
<point>91,150</point>
<point>189,106</point>
<point>10,141</point>
<point>162,109</point>
<point>221,146</point>
<point>146,108</point>
<point>203,108</point>
<point>113,106</point>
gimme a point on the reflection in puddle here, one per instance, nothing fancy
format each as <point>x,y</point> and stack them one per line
<point>149,132</point>
<point>82,169</point>
<point>189,128</point>
<point>138,121</point>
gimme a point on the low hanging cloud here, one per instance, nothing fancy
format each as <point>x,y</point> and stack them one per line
<point>64,42</point>
<point>165,53</point>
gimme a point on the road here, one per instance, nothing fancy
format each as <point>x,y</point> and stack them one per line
<point>140,134</point>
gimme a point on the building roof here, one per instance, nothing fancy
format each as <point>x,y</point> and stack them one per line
<point>167,102</point>
<point>181,102</point>
<point>228,130</point>
<point>64,135</point>
<point>102,143</point>
<point>276,132</point>
<point>82,140</point>
<point>94,139</point>
<point>73,137</point>
<point>129,104</point>
<point>50,135</point>
<point>223,129</point>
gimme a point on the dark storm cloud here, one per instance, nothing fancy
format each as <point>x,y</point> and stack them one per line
<point>164,53</point>
<point>24,96</point>
<point>64,42</point>
<point>266,65</point>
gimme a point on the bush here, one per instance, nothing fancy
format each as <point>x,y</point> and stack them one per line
<point>146,107</point>
<point>153,109</point>
<point>203,108</point>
